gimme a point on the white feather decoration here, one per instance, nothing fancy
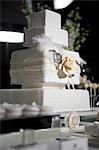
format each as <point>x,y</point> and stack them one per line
<point>83,62</point>
<point>44,44</point>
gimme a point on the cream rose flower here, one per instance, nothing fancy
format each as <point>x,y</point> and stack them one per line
<point>68,66</point>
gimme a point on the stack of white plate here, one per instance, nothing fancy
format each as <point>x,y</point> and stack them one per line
<point>11,110</point>
<point>31,110</point>
<point>14,110</point>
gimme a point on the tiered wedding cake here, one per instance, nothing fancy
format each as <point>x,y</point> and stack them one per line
<point>45,58</point>
<point>44,66</point>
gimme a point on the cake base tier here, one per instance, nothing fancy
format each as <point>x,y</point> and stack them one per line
<point>59,99</point>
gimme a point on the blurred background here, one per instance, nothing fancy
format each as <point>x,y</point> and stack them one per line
<point>80,19</point>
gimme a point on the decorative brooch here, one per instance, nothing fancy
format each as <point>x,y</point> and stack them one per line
<point>66,66</point>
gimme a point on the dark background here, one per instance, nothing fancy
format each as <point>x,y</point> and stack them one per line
<point>12,18</point>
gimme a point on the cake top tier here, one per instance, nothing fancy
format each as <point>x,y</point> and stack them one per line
<point>45,18</point>
<point>48,23</point>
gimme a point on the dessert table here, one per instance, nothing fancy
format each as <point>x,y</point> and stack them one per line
<point>14,124</point>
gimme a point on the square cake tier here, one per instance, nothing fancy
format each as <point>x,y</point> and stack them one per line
<point>58,36</point>
<point>32,66</point>
<point>45,18</point>
<point>59,99</point>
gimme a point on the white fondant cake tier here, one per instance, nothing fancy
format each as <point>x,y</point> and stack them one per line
<point>59,99</point>
<point>58,36</point>
<point>45,18</point>
<point>30,66</point>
